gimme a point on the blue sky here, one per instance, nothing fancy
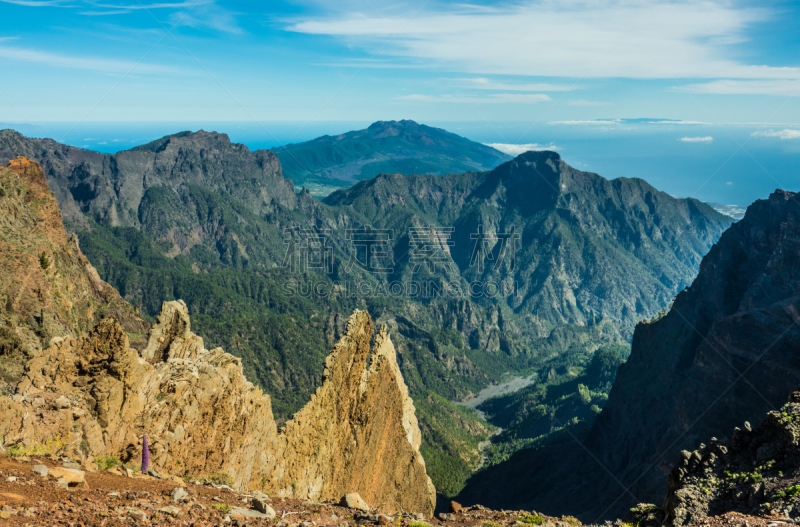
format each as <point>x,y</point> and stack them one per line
<point>723,71</point>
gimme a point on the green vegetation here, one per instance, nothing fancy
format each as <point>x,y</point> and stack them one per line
<point>573,390</point>
<point>530,519</point>
<point>221,478</point>
<point>107,461</point>
<point>452,435</point>
<point>221,507</point>
<point>794,490</point>
<point>48,447</point>
<point>44,261</point>
<point>224,234</point>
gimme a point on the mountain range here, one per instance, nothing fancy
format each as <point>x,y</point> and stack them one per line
<point>529,263</point>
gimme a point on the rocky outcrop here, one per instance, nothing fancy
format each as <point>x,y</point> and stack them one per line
<point>47,286</point>
<point>198,410</point>
<point>361,418</point>
<point>358,434</point>
<point>754,472</point>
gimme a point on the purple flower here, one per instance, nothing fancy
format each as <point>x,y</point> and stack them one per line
<point>145,455</point>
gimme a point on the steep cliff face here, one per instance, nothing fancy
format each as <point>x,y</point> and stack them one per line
<point>47,286</point>
<point>358,434</point>
<point>726,352</point>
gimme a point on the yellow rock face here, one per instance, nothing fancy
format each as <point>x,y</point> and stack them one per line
<point>358,433</point>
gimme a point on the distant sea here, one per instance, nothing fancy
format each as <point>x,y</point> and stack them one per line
<point>723,164</point>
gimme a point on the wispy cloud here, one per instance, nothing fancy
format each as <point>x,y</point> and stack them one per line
<point>482,83</point>
<point>782,87</point>
<point>87,63</point>
<point>515,150</point>
<point>573,38</point>
<point>779,134</point>
<point>520,98</point>
<point>204,13</point>
<point>706,139</point>
<point>37,3</point>
<point>644,121</point>
<point>589,123</point>
<point>583,102</point>
<point>162,5</point>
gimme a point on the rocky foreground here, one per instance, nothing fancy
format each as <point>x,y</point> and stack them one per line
<point>38,491</point>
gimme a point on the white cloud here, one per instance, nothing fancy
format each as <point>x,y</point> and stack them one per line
<point>706,139</point>
<point>482,83</point>
<point>573,38</point>
<point>583,102</point>
<point>515,150</point>
<point>783,87</point>
<point>780,134</point>
<point>88,63</point>
<point>519,98</point>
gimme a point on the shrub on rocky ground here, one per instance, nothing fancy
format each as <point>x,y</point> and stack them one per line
<point>221,478</point>
<point>531,519</point>
<point>106,461</point>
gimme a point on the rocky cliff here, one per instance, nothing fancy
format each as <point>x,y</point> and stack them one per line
<point>357,434</point>
<point>587,250</point>
<point>47,286</point>
<point>726,352</point>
